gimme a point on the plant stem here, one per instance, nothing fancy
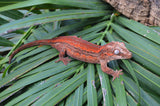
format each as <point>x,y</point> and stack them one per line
<point>107,28</point>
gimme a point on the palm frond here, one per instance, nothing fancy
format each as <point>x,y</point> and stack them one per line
<point>34,78</point>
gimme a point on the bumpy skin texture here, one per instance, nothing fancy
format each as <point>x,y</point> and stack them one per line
<point>85,51</point>
<point>145,11</point>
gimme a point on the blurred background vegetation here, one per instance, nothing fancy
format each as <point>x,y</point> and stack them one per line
<point>33,77</point>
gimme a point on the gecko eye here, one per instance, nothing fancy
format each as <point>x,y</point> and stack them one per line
<point>116,52</point>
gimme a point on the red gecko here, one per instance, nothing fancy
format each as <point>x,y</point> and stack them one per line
<point>85,51</point>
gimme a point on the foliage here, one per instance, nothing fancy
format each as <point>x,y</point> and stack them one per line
<point>34,78</point>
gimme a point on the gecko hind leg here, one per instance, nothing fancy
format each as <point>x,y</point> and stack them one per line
<point>65,60</point>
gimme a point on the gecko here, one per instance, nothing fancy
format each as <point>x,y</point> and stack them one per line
<point>83,50</point>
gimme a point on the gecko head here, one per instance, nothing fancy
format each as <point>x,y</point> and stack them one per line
<point>116,50</point>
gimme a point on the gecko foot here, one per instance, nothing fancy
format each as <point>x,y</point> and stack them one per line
<point>65,60</point>
<point>116,74</point>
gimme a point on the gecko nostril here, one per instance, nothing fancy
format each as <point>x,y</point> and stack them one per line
<point>129,55</point>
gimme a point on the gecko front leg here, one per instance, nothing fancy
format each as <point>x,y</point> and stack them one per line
<point>65,60</point>
<point>109,71</point>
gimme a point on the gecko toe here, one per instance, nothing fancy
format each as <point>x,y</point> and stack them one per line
<point>116,74</point>
<point>65,60</point>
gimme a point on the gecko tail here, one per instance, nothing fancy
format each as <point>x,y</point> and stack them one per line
<point>34,43</point>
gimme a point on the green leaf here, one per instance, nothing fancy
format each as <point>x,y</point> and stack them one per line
<point>91,88</point>
<point>146,77</point>
<point>57,94</point>
<point>132,89</point>
<point>78,96</point>
<point>5,42</point>
<point>106,88</point>
<point>149,60</point>
<point>120,94</point>
<point>23,68</point>
<point>35,96</point>
<point>3,21</point>
<point>50,17</point>
<point>130,100</point>
<point>74,3</point>
<point>40,87</point>
<point>14,14</point>
<point>140,29</point>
